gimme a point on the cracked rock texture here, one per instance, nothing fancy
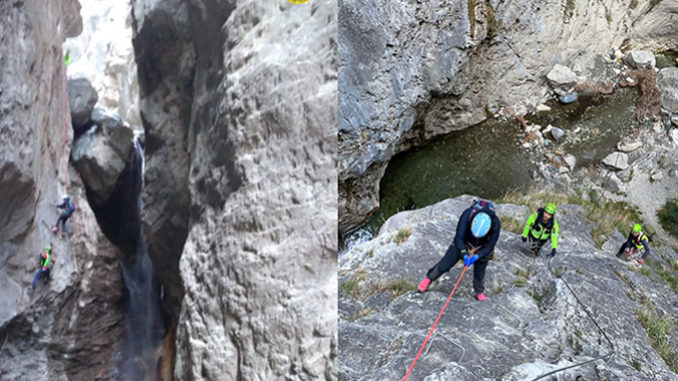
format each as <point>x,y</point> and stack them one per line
<point>410,71</point>
<point>238,102</point>
<point>530,324</point>
<point>67,328</point>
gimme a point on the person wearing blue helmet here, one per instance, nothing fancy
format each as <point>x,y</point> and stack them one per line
<point>477,234</point>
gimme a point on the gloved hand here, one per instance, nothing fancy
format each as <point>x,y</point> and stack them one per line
<point>640,261</point>
<point>468,261</point>
<point>551,254</point>
<point>524,239</point>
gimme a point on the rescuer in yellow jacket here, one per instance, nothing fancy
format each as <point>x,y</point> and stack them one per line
<point>541,226</point>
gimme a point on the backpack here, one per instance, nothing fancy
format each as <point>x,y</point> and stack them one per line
<point>478,205</point>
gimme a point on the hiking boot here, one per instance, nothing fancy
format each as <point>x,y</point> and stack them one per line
<point>481,297</point>
<point>423,284</point>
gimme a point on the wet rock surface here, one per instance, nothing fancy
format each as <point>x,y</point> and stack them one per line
<point>530,324</point>
<point>240,141</point>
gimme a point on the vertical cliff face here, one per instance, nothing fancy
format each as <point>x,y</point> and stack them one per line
<point>66,328</point>
<point>409,72</point>
<point>238,101</point>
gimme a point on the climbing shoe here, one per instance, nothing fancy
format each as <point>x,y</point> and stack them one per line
<point>481,297</point>
<point>54,230</point>
<point>423,284</point>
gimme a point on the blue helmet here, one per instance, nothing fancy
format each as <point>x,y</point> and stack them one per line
<point>480,225</point>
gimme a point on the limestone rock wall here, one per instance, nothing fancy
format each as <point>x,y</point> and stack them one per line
<point>238,101</point>
<point>66,329</point>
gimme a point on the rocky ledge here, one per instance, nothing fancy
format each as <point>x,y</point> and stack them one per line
<point>531,323</point>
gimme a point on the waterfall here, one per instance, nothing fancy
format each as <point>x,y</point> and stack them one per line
<point>144,325</point>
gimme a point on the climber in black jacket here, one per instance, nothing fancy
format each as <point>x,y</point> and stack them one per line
<point>69,207</point>
<point>477,232</point>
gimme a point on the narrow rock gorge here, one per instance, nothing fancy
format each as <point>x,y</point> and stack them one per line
<point>238,103</point>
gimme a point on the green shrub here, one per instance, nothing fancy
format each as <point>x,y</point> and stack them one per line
<point>668,217</point>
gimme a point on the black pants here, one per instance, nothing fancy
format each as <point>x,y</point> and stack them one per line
<point>452,256</point>
<point>536,244</point>
<point>63,218</point>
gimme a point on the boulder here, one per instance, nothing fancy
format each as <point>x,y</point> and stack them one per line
<point>570,160</point>
<point>627,147</point>
<point>557,133</point>
<point>617,160</point>
<point>81,98</point>
<point>102,153</point>
<point>667,83</point>
<point>613,183</point>
<point>542,108</point>
<point>640,59</point>
<point>674,135</point>
<point>561,77</point>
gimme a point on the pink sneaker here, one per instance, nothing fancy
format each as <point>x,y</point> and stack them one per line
<point>423,284</point>
<point>54,229</point>
<point>481,297</point>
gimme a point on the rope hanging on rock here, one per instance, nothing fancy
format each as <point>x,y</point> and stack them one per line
<point>434,323</point>
<point>605,357</point>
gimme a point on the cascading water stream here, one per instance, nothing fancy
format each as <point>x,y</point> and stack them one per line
<point>144,326</point>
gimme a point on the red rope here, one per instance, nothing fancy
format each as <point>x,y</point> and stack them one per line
<point>434,324</point>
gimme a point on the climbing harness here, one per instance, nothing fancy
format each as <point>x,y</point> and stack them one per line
<point>607,357</point>
<point>434,323</point>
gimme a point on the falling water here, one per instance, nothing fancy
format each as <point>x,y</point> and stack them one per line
<point>144,326</point>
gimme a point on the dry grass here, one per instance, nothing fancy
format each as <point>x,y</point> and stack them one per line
<point>596,88</point>
<point>402,235</point>
<point>357,288</point>
<point>360,314</point>
<point>648,105</point>
<point>658,329</point>
<point>510,224</point>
